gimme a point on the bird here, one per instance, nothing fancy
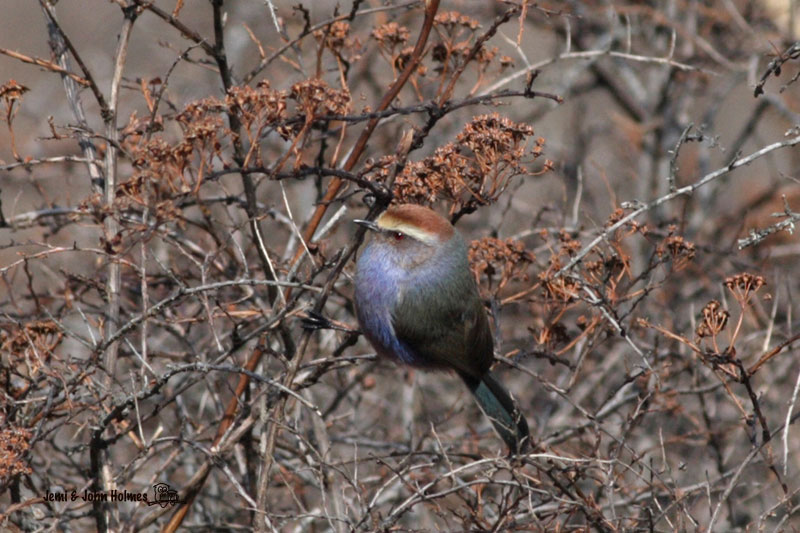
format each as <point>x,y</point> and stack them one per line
<point>418,304</point>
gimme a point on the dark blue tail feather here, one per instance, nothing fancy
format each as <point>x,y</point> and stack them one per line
<point>497,405</point>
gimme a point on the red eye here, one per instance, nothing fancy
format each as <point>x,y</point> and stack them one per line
<point>398,235</point>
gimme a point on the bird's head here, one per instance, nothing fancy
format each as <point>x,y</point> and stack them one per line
<point>408,221</point>
<point>411,232</point>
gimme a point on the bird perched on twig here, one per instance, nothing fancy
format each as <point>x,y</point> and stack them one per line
<point>418,304</point>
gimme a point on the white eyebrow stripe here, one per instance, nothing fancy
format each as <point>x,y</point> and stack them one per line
<point>418,234</point>
<point>413,231</point>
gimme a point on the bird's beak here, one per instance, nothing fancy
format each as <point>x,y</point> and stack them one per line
<point>369,224</point>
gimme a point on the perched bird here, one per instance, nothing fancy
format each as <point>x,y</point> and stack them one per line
<point>418,304</point>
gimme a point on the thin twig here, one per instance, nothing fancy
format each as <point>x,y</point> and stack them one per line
<point>683,191</point>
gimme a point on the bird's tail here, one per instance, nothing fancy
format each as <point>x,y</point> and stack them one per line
<point>497,405</point>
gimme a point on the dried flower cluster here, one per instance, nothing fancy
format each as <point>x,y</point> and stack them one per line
<point>258,107</point>
<point>473,171</point>
<point>607,272</point>
<point>166,171</point>
<point>11,92</point>
<point>31,344</point>
<point>679,250</point>
<point>744,285</point>
<point>561,289</point>
<point>316,98</point>
<point>14,444</point>
<point>503,260</point>
<point>336,38</point>
<point>390,36</point>
<point>719,357</point>
<point>456,46</point>
<point>714,320</point>
<point>452,21</point>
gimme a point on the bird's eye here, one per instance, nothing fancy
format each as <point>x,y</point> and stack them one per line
<point>398,235</point>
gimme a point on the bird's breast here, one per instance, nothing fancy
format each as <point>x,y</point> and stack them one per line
<point>380,286</point>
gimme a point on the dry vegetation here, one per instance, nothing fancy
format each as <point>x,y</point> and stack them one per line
<point>176,264</point>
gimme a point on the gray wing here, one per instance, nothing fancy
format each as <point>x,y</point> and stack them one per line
<point>447,328</point>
